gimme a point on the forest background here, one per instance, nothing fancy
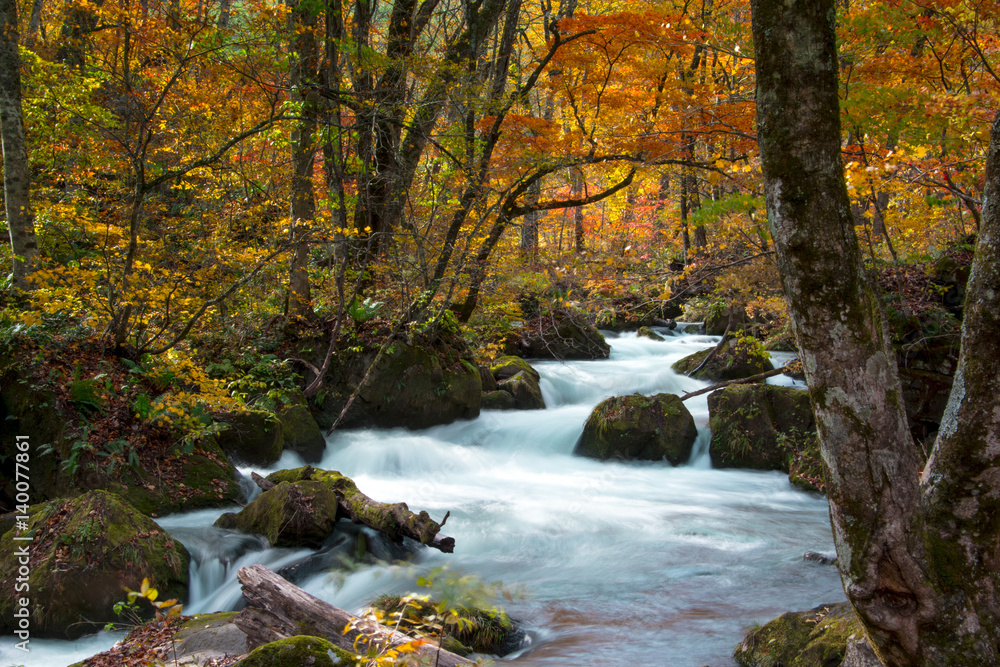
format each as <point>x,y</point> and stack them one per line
<point>212,184</point>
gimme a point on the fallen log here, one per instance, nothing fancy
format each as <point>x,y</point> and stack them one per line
<point>720,385</point>
<point>395,520</point>
<point>277,609</point>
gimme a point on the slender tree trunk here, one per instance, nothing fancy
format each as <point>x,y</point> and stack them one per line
<point>303,204</point>
<point>16,171</point>
<point>577,193</point>
<point>918,554</point>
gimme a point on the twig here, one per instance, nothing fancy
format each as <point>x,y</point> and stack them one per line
<point>720,385</point>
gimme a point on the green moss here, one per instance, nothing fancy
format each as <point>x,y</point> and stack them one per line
<point>298,652</point>
<point>278,514</point>
<point>640,427</point>
<point>814,638</point>
<point>509,366</point>
<point>738,358</point>
<point>84,552</point>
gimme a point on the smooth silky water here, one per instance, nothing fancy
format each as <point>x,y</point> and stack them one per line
<point>616,564</point>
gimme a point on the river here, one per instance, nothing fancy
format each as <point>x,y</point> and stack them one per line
<point>614,564</point>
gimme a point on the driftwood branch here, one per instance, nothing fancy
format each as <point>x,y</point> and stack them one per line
<point>277,609</point>
<point>749,380</point>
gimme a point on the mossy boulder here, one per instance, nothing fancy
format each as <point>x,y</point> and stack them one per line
<point>302,513</point>
<point>509,366</point>
<point>737,358</point>
<point>487,631</point>
<point>416,384</point>
<point>27,409</point>
<point>646,332</point>
<point>560,335</point>
<point>300,651</point>
<point>814,638</point>
<point>203,478</point>
<point>525,390</point>
<point>487,380</point>
<point>83,552</point>
<point>757,425</point>
<point>638,427</point>
<point>254,437</point>
<point>498,400</point>
<point>302,434</point>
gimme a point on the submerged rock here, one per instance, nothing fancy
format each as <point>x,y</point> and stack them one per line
<point>525,391</point>
<point>638,427</point>
<point>737,358</point>
<point>84,552</point>
<point>300,651</point>
<point>646,332</point>
<point>498,400</point>
<point>814,638</point>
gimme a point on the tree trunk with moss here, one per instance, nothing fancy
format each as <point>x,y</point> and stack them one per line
<point>918,553</point>
<point>16,171</point>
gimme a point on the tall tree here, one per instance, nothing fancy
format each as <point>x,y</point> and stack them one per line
<point>16,172</point>
<point>918,550</point>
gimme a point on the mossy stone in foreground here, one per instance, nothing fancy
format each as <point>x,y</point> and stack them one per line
<point>814,638</point>
<point>84,552</point>
<point>509,366</point>
<point>498,400</point>
<point>638,427</point>
<point>525,390</point>
<point>300,651</point>
<point>302,513</point>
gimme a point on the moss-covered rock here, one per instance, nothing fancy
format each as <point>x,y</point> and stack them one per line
<point>416,384</point>
<point>509,366</point>
<point>649,428</point>
<point>487,380</point>
<point>738,358</point>
<point>560,335</point>
<point>209,480</point>
<point>30,410</point>
<point>83,552</point>
<point>302,513</point>
<point>302,434</point>
<point>254,437</point>
<point>646,332</point>
<point>758,425</point>
<point>525,390</point>
<point>300,651</point>
<point>205,637</point>
<point>814,638</point>
<point>489,631</point>
<point>498,400</point>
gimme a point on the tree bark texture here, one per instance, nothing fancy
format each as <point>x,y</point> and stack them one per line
<point>918,557</point>
<point>303,206</point>
<point>277,609</point>
<point>16,171</point>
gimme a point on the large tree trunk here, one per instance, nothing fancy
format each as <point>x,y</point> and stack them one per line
<point>919,565</point>
<point>16,171</point>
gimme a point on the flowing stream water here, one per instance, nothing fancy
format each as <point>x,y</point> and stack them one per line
<point>615,564</point>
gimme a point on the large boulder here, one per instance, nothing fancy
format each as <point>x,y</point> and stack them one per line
<point>82,553</point>
<point>416,384</point>
<point>638,427</point>
<point>738,358</point>
<point>254,437</point>
<point>296,514</point>
<point>560,335</point>
<point>814,638</point>
<point>525,390</point>
<point>300,507</point>
<point>755,425</point>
